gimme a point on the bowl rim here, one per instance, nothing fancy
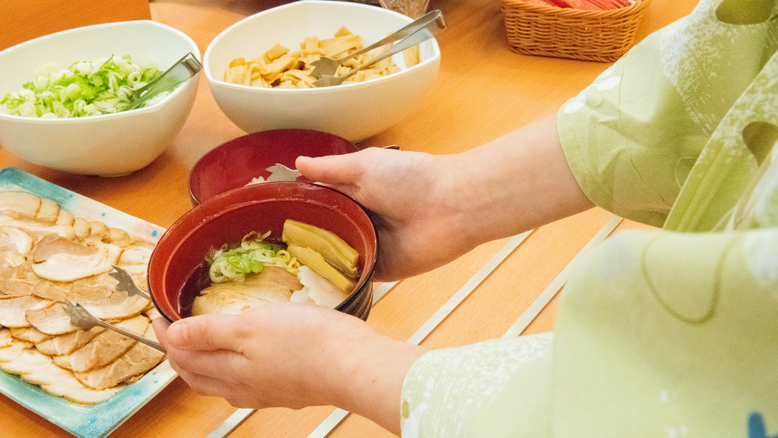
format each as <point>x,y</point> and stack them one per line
<point>323,90</point>
<point>215,204</point>
<point>136,112</point>
<point>213,151</point>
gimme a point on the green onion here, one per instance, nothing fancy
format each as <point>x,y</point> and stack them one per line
<point>83,89</point>
<point>253,254</point>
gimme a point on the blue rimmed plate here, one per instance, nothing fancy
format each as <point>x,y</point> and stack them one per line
<point>84,421</point>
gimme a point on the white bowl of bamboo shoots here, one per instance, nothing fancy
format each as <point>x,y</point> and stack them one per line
<point>354,110</point>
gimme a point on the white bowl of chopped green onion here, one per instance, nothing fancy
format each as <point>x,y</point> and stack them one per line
<point>61,97</point>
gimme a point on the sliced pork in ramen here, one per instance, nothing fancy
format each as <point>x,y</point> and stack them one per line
<point>152,313</point>
<point>272,285</point>
<point>47,375</point>
<point>119,237</point>
<point>48,211</point>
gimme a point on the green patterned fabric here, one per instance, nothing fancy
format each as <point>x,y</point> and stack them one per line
<point>666,333</point>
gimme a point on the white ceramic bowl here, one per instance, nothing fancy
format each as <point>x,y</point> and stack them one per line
<point>112,144</point>
<point>352,111</point>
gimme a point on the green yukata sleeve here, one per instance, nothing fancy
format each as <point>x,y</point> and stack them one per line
<point>659,333</point>
<point>497,388</point>
<point>632,137</point>
<point>670,334</point>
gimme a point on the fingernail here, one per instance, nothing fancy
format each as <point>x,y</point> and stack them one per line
<point>178,334</point>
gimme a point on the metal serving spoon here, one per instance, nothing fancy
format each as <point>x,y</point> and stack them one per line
<point>81,318</point>
<point>183,69</point>
<point>420,30</point>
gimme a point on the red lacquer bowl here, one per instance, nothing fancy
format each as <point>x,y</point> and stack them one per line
<point>236,162</point>
<point>226,218</point>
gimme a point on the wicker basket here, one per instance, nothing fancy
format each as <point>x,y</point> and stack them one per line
<point>602,36</point>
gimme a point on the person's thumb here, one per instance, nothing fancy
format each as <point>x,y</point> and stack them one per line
<point>331,169</point>
<point>201,333</point>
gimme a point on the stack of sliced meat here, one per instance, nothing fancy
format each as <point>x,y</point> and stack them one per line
<point>48,256</point>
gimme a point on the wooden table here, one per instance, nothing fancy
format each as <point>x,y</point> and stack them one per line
<point>506,287</point>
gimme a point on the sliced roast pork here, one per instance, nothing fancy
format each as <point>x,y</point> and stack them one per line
<point>51,319</point>
<point>66,344</point>
<point>58,259</point>
<point>98,294</point>
<point>139,359</point>
<point>105,348</point>
<point>12,310</point>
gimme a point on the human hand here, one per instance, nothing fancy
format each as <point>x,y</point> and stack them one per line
<point>291,355</point>
<point>411,199</point>
<point>430,209</point>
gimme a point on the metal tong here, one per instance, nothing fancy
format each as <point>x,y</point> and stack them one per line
<point>409,36</point>
<point>81,318</point>
<point>183,69</point>
<point>126,283</point>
